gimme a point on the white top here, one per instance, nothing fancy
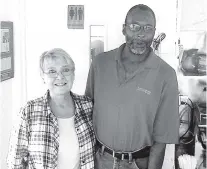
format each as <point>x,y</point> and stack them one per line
<point>69,154</point>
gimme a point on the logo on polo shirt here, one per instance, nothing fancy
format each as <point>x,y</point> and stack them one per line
<point>143,90</point>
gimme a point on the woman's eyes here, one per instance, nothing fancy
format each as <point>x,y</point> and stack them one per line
<point>66,70</point>
<point>52,71</point>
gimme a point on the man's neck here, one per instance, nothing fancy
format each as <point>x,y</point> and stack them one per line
<point>128,56</point>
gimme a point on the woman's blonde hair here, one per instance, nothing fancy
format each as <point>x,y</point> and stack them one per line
<point>55,53</point>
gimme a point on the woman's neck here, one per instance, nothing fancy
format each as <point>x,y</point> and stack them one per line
<point>60,99</point>
<point>62,106</point>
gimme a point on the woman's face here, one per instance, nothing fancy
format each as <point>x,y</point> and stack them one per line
<point>58,75</point>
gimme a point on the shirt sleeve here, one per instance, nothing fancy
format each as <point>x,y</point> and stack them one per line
<point>166,125</point>
<point>18,148</point>
<point>90,83</point>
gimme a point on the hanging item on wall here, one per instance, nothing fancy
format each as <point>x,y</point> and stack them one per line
<point>157,41</point>
<point>75,17</point>
<point>7,54</point>
<point>97,40</point>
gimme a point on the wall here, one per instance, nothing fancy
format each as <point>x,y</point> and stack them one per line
<point>12,91</point>
<point>193,15</point>
<point>47,28</point>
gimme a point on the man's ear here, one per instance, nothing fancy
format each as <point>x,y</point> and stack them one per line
<point>124,29</point>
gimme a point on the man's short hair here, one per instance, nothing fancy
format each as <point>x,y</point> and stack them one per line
<point>142,7</point>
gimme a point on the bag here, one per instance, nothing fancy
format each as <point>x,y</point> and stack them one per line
<point>193,63</point>
<point>192,57</point>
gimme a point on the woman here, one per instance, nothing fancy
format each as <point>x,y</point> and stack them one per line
<point>55,131</point>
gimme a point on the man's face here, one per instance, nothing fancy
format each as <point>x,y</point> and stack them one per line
<point>139,31</point>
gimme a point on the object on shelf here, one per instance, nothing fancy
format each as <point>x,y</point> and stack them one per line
<point>192,53</point>
<point>186,130</point>
<point>193,63</point>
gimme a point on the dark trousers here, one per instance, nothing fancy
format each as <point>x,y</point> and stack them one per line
<point>107,161</point>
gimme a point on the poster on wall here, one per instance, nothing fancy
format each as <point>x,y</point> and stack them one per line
<point>75,17</point>
<point>7,54</point>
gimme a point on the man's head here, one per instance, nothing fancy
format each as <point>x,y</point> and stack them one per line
<point>139,29</point>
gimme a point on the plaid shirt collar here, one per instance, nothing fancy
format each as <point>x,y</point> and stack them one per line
<point>47,108</point>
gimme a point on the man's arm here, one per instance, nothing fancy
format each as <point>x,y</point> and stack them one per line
<point>166,124</point>
<point>156,158</point>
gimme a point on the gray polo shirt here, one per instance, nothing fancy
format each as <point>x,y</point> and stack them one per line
<point>130,113</point>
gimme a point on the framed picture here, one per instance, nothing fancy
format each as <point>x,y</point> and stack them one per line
<point>7,51</point>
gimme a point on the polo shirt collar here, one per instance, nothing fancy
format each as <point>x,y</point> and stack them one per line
<point>152,61</point>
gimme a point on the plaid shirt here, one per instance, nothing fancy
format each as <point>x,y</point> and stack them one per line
<point>35,140</point>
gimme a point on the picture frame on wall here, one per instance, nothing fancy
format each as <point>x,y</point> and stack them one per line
<point>7,51</point>
<point>97,40</point>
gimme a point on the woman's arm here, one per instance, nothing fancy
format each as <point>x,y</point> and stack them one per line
<point>18,149</point>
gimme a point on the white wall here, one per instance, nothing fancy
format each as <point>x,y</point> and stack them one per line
<point>193,15</point>
<point>12,91</point>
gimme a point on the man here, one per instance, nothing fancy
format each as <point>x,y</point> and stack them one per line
<point>135,97</point>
